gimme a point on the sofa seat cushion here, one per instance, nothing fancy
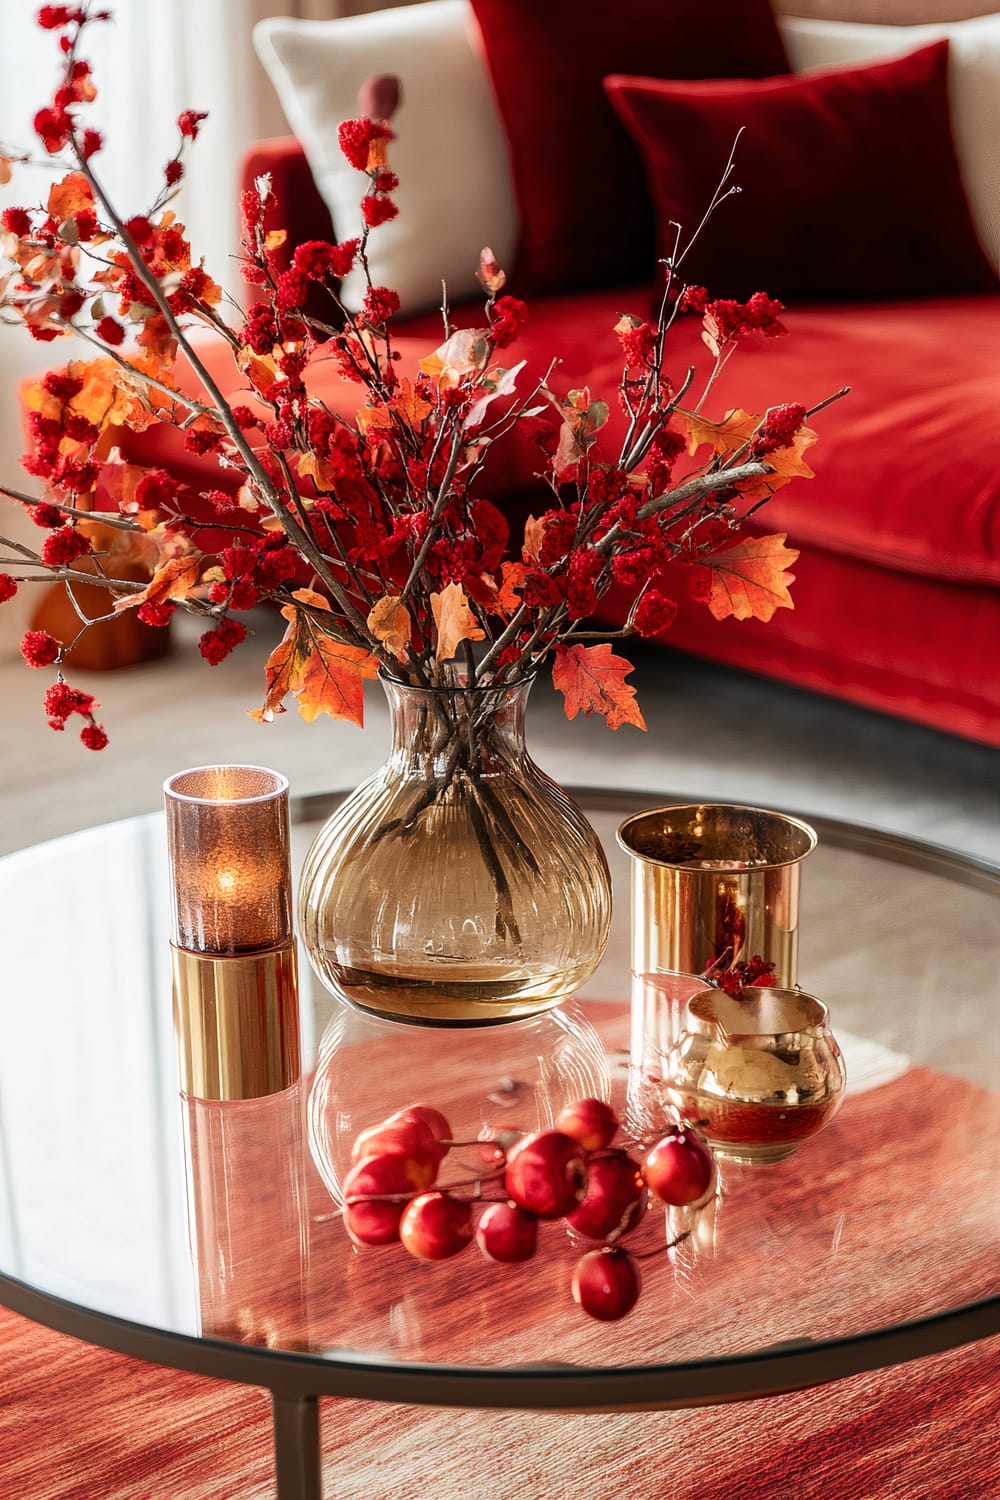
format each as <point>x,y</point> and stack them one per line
<point>907,465</point>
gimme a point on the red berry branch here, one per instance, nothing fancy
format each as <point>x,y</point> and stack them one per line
<point>573,1172</point>
<point>372,530</point>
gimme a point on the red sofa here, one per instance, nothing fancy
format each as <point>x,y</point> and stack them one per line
<point>897,593</point>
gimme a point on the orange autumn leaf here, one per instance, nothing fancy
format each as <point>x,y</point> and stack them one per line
<point>592,680</point>
<point>454,620</point>
<point>260,369</point>
<point>333,678</point>
<point>275,238</point>
<point>464,353</point>
<point>324,675</point>
<point>787,463</point>
<point>748,581</point>
<point>736,428</point>
<point>412,407</point>
<point>175,581</point>
<point>319,470</point>
<point>72,195</point>
<point>389,622</point>
<point>534,536</point>
<point>508,599</point>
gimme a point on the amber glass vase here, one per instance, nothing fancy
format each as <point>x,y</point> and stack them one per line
<point>459,884</point>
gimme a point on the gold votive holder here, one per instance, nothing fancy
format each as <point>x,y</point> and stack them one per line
<point>761,1072</point>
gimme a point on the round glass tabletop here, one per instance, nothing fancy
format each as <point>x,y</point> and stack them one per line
<point>201,1235</point>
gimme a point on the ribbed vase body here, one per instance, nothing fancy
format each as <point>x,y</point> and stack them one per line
<point>460,883</point>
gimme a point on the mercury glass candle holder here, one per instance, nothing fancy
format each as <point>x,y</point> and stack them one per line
<point>761,1073</point>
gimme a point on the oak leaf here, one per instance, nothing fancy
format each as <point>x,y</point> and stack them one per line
<point>389,622</point>
<point>592,680</point>
<point>534,536</point>
<point>508,599</point>
<point>454,620</point>
<point>787,464</point>
<point>324,675</point>
<point>736,428</point>
<point>174,581</point>
<point>748,581</point>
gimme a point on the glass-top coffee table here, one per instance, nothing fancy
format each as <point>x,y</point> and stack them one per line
<point>877,1243</point>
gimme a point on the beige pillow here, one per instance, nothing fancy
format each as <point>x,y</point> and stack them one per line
<point>974,81</point>
<point>455,193</point>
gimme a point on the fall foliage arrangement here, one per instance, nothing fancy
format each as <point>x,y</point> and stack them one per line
<point>372,533</point>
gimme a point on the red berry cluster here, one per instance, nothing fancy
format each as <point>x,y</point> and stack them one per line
<point>572,1172</point>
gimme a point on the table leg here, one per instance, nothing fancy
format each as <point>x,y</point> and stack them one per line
<point>296,1447</point>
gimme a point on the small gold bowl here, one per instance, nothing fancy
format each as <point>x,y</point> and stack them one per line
<point>763,1072</point>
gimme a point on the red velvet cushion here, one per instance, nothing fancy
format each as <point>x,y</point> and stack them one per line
<point>850,184</point>
<point>586,219</point>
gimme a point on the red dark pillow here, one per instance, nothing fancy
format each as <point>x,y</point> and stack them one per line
<point>586,219</point>
<point>850,183</point>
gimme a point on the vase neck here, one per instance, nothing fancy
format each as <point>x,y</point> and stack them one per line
<point>442,729</point>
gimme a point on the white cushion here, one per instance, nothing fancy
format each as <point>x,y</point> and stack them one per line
<point>455,193</point>
<point>974,84</point>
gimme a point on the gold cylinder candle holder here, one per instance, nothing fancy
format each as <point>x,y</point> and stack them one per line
<point>711,884</point>
<point>235,993</point>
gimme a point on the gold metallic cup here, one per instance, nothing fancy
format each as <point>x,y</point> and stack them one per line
<point>715,883</point>
<point>237,1023</point>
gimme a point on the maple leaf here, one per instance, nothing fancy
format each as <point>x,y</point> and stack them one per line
<point>748,581</point>
<point>70,196</point>
<point>324,675</point>
<point>592,680</point>
<point>454,620</point>
<point>174,580</point>
<point>390,623</point>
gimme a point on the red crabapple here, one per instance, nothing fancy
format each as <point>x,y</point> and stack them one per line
<point>590,1121</point>
<point>427,1115</point>
<point>607,1283</point>
<point>615,1198</point>
<point>507,1233</point>
<point>370,1215</point>
<point>546,1173</point>
<point>680,1167</point>
<point>436,1226</point>
<point>407,1137</point>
